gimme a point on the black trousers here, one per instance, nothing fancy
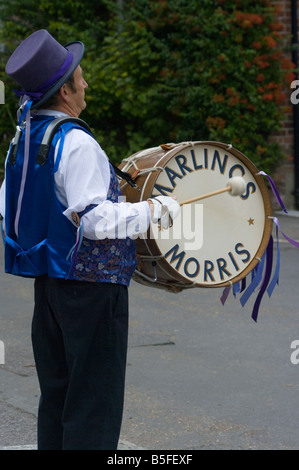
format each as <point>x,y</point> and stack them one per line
<point>79,337</point>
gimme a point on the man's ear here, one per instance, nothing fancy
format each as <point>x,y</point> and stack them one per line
<point>64,93</point>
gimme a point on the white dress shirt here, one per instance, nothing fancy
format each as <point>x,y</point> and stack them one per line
<point>83,178</point>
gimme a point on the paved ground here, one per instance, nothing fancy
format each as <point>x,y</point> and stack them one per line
<point>200,375</point>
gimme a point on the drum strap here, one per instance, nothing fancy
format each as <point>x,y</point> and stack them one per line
<point>49,134</point>
<point>46,143</point>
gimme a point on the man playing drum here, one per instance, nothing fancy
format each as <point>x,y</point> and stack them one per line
<point>65,227</point>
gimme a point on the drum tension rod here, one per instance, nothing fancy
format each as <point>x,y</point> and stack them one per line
<point>148,278</point>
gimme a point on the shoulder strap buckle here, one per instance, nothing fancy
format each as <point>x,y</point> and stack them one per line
<point>14,147</point>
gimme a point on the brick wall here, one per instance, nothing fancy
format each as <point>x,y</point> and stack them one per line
<point>285,175</point>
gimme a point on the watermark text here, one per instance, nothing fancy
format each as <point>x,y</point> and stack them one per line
<point>2,353</point>
<point>295,94</point>
<point>127,223</point>
<point>295,354</point>
<point>2,93</point>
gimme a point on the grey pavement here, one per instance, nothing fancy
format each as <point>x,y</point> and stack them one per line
<point>200,375</point>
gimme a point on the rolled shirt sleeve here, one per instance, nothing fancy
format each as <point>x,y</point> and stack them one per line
<point>83,179</point>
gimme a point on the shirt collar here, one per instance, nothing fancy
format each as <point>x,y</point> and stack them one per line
<point>50,112</point>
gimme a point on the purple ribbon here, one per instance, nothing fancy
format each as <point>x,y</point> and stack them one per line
<point>31,94</point>
<point>266,280</point>
<point>38,93</point>
<point>236,289</point>
<point>290,240</point>
<point>225,294</point>
<point>261,275</point>
<point>256,279</point>
<point>275,279</point>
<point>274,190</point>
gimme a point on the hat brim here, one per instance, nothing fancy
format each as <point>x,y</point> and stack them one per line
<point>77,50</point>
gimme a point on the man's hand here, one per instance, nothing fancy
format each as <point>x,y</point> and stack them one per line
<point>164,210</point>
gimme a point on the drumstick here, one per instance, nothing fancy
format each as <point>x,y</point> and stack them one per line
<point>235,186</point>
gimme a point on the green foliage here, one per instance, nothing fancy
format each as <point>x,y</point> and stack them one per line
<point>161,71</point>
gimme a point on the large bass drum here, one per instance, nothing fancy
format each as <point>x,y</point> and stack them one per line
<point>214,242</point>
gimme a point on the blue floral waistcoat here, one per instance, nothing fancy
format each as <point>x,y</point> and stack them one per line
<point>45,237</point>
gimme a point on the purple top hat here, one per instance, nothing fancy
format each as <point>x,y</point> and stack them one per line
<point>41,65</point>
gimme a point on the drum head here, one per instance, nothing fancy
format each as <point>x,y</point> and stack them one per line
<point>219,240</point>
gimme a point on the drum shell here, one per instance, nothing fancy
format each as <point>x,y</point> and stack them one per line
<point>156,270</point>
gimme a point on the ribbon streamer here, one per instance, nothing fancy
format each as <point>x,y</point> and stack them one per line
<point>74,250</point>
<point>225,294</point>
<point>25,112</point>
<point>261,275</point>
<point>79,237</point>
<point>290,240</point>
<point>274,190</point>
<point>275,279</point>
<point>236,289</point>
<point>266,280</point>
<point>256,280</point>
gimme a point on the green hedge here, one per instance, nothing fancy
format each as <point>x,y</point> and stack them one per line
<point>168,71</point>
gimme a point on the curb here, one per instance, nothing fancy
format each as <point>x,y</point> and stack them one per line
<point>123,445</point>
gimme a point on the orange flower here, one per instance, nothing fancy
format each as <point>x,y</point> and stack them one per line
<point>261,149</point>
<point>289,77</point>
<point>248,20</point>
<point>233,101</point>
<point>276,27</point>
<point>260,77</point>
<point>257,45</point>
<point>230,91</point>
<point>280,97</point>
<point>270,42</point>
<point>217,98</point>
<point>261,61</point>
<point>215,123</point>
<point>268,97</point>
<point>271,86</point>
